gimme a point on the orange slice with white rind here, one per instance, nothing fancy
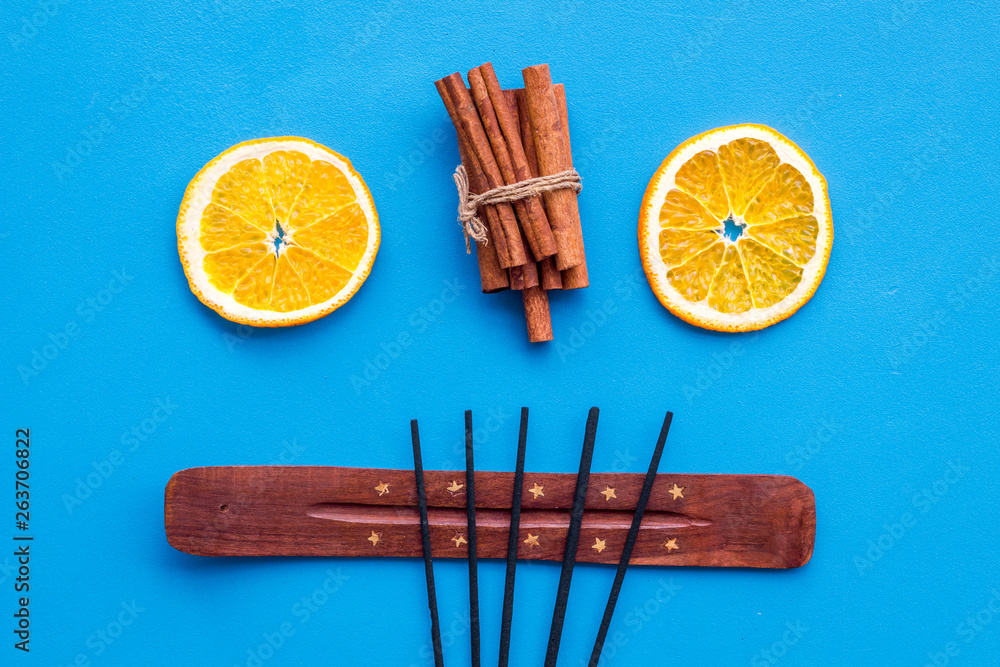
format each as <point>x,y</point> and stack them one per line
<point>276,232</point>
<point>774,254</point>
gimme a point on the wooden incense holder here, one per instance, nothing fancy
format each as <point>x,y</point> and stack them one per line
<point>766,521</point>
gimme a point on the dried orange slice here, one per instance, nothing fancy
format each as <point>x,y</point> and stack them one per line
<point>276,232</point>
<point>735,229</point>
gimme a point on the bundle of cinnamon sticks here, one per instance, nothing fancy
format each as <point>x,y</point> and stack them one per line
<point>505,137</point>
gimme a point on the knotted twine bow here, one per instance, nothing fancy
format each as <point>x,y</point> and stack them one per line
<point>468,203</point>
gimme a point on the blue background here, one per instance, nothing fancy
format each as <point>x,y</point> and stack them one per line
<point>872,394</point>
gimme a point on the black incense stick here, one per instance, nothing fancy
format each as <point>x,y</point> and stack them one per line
<point>572,540</point>
<point>470,507</point>
<point>633,533</point>
<point>425,536</point>
<point>512,542</point>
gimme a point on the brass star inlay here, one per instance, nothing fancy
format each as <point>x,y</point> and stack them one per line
<point>598,545</point>
<point>383,487</point>
<point>459,540</point>
<point>455,487</point>
<point>532,541</point>
<point>676,492</point>
<point>608,493</point>
<point>375,538</point>
<point>671,544</point>
<point>536,491</point>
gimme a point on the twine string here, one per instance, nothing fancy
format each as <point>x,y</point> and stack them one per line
<point>469,203</point>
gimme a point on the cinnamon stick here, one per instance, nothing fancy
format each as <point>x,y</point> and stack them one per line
<point>549,275</point>
<point>498,238</point>
<point>536,314</point>
<point>551,153</point>
<point>575,277</point>
<point>550,278</point>
<point>492,276</point>
<point>525,276</point>
<point>517,278</point>
<point>469,121</point>
<point>505,137</point>
<point>527,140</point>
<point>530,270</point>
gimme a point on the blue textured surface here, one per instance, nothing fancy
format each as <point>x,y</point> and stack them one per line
<point>881,385</point>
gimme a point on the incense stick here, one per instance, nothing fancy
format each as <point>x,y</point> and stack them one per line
<point>633,533</point>
<point>470,507</point>
<point>512,542</point>
<point>425,536</point>
<point>572,540</point>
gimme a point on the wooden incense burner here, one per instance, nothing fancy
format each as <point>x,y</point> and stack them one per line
<point>763,521</point>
